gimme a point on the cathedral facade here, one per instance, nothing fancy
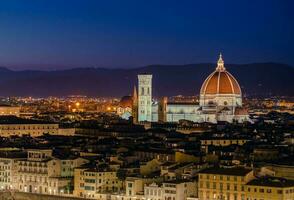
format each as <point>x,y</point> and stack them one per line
<point>220,100</point>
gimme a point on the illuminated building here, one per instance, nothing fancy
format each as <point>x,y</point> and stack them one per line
<point>91,182</point>
<point>179,189</point>
<point>224,183</point>
<point>220,100</point>
<point>153,192</point>
<point>272,188</point>
<point>8,169</point>
<point>223,141</point>
<point>124,109</point>
<point>45,174</point>
<point>220,95</point>
<point>9,110</point>
<point>145,97</point>
<point>10,125</point>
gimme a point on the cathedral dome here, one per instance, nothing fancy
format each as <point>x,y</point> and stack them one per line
<point>220,82</point>
<point>126,101</point>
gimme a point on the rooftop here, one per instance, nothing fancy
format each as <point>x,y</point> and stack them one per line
<point>272,182</point>
<point>17,120</point>
<point>235,171</point>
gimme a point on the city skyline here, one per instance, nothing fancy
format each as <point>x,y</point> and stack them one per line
<point>146,100</point>
<point>58,34</point>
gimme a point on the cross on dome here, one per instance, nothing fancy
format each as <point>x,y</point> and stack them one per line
<point>220,63</point>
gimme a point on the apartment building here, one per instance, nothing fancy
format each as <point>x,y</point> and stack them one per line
<point>43,173</point>
<point>272,188</point>
<point>92,181</point>
<point>224,183</point>
<point>11,125</point>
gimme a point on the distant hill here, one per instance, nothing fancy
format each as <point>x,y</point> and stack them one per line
<point>255,79</point>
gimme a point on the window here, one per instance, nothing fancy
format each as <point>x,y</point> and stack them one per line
<point>235,187</point>
<point>207,185</point>
<point>228,196</point>
<point>235,197</point>
<point>207,195</point>
<point>214,185</point>
<point>242,197</point>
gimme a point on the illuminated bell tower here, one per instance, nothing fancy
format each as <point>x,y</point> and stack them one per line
<point>145,97</point>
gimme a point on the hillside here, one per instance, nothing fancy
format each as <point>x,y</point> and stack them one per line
<point>255,79</point>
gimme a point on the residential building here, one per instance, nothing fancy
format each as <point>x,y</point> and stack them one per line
<point>224,183</point>
<point>270,188</point>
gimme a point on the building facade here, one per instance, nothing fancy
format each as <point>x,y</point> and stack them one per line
<point>224,183</point>
<point>9,110</point>
<point>8,171</point>
<point>272,188</point>
<point>11,125</point>
<point>42,173</point>
<point>92,182</point>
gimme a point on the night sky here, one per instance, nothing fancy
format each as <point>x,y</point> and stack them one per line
<point>59,34</point>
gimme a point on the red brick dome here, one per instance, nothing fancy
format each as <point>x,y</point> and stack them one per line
<point>126,101</point>
<point>220,82</point>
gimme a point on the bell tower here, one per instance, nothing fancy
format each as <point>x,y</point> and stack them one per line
<point>144,97</point>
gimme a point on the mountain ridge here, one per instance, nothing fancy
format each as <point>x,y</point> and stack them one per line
<point>262,79</point>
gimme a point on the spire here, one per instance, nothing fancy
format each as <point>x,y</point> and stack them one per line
<point>135,96</point>
<point>220,63</point>
<point>135,106</point>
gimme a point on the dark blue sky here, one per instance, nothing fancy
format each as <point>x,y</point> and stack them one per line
<point>55,34</point>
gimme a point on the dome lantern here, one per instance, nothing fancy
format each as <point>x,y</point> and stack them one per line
<point>220,64</point>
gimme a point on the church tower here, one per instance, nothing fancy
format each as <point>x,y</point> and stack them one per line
<point>145,97</point>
